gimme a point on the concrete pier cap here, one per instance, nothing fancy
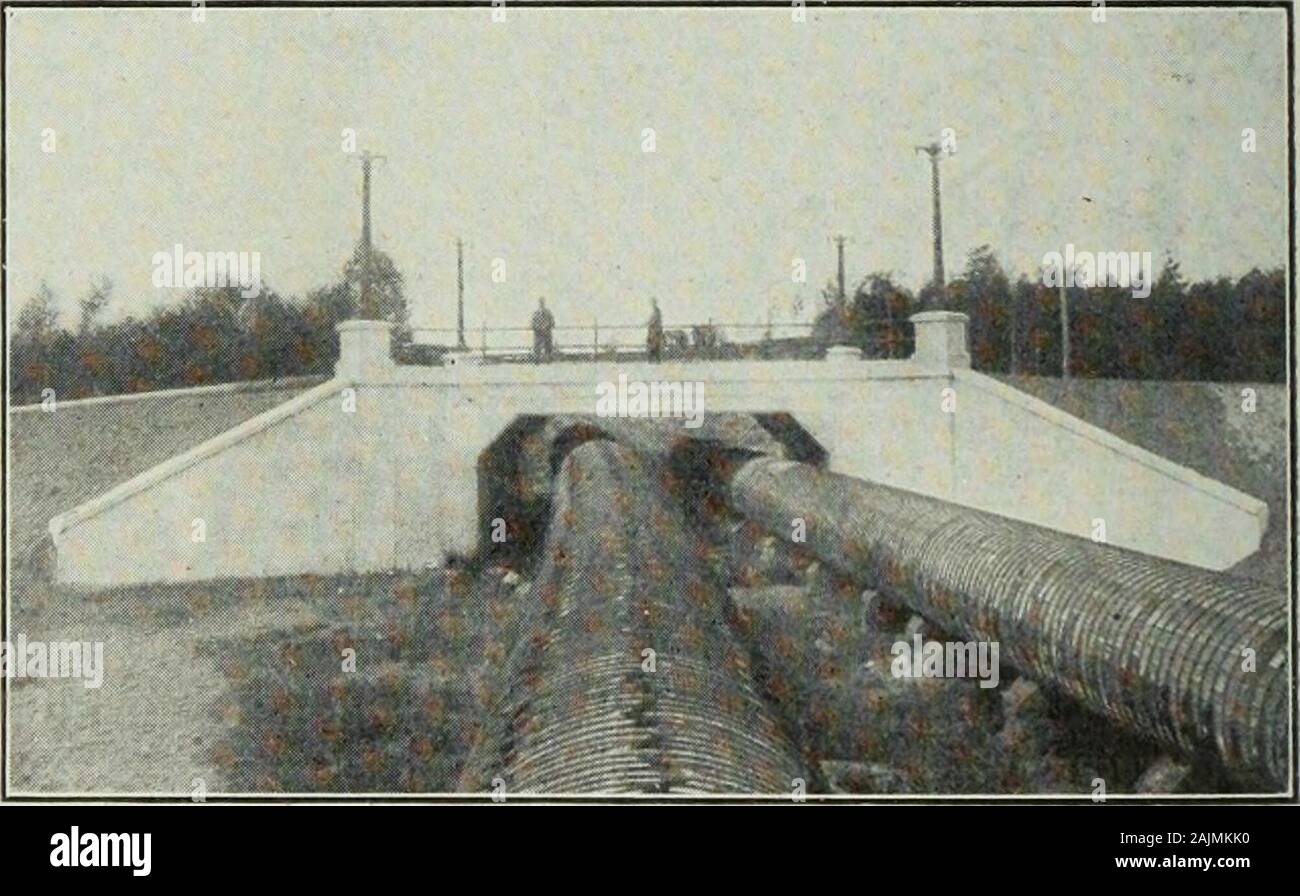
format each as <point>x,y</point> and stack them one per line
<point>941,339</point>
<point>365,349</point>
<point>843,353</point>
<point>462,358</point>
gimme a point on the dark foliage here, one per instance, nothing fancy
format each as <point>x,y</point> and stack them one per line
<point>211,336</point>
<point>1211,330</point>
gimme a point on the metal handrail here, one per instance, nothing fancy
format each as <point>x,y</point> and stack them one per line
<point>477,340</point>
<point>775,325</point>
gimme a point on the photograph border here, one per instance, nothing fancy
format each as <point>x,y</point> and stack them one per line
<point>7,795</point>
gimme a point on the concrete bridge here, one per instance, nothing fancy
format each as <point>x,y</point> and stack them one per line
<point>378,468</point>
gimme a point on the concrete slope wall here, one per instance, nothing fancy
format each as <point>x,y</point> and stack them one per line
<point>303,487</point>
<point>1023,458</point>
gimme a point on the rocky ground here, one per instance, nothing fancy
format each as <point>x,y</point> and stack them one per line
<point>826,644</point>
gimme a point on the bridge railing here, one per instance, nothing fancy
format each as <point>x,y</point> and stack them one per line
<point>716,341</point>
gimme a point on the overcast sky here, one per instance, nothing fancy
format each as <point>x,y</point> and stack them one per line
<point>526,139</point>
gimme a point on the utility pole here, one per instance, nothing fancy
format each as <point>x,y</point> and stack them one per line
<point>935,152</point>
<point>1015,335</point>
<point>367,307</point>
<point>1065,330</point>
<point>1012,302</point>
<point>460,293</point>
<point>839,245</point>
<point>1064,303</point>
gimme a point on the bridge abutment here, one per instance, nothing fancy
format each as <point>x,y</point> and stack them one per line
<point>378,468</point>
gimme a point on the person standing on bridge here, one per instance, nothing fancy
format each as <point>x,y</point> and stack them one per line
<point>543,325</point>
<point>654,337</point>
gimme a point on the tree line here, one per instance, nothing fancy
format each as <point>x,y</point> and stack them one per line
<point>1215,330</point>
<point>1218,330</point>
<point>213,335</point>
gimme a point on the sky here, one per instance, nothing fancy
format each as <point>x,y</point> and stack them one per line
<point>527,139</point>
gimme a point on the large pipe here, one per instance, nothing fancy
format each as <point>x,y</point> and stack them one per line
<point>1195,659</point>
<point>626,676</point>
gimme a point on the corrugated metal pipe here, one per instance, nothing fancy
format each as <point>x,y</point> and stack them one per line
<point>1195,659</point>
<point>626,677</point>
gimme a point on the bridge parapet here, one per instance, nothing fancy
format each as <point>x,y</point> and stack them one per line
<point>941,339</point>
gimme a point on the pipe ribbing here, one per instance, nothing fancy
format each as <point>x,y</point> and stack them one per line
<point>1162,648</point>
<point>627,676</point>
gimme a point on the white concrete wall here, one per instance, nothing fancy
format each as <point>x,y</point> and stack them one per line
<point>438,421</point>
<point>310,487</point>
<point>303,487</point>
<point>288,382</point>
<point>1021,457</point>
